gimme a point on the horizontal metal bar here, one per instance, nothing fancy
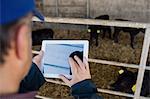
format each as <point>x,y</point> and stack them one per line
<point>99,90</point>
<point>108,62</point>
<point>141,97</point>
<point>74,6</point>
<point>35,52</point>
<point>94,22</point>
<point>116,63</point>
<point>42,97</point>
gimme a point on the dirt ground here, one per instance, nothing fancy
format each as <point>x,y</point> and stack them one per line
<point>102,75</point>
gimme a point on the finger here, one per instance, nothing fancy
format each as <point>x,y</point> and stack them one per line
<point>81,65</point>
<point>38,57</point>
<point>41,54</point>
<point>64,79</point>
<point>85,61</point>
<point>73,67</point>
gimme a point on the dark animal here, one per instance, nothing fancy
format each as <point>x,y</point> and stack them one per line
<point>95,30</point>
<point>132,31</point>
<point>42,34</point>
<point>148,59</point>
<point>148,63</point>
<point>126,82</point>
<point>77,53</point>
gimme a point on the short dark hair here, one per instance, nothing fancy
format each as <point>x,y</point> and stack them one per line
<point>5,39</point>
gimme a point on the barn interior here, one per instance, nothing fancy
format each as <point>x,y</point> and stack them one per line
<point>103,75</point>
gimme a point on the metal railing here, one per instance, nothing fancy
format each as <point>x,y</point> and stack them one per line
<point>141,67</point>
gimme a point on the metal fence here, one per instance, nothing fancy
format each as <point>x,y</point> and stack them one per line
<point>146,44</point>
<point>141,67</point>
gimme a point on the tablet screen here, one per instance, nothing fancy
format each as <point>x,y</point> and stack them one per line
<point>57,53</point>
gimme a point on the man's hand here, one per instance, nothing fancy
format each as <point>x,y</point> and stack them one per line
<point>79,72</point>
<point>37,59</point>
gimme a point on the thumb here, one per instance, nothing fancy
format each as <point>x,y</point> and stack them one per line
<point>37,59</point>
<point>64,79</point>
<point>41,54</point>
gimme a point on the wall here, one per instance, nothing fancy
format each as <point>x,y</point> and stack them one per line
<point>136,10</point>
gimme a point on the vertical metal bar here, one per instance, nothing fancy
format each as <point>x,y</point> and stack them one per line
<point>42,3</point>
<point>87,8</point>
<point>57,12</point>
<point>142,65</point>
<point>43,11</point>
<point>87,11</point>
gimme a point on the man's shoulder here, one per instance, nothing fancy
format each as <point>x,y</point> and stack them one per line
<point>29,95</point>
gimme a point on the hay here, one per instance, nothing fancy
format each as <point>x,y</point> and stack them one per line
<point>102,75</point>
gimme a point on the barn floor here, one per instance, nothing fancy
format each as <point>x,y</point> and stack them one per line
<point>102,75</point>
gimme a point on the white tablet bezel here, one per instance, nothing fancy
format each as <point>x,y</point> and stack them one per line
<point>85,52</point>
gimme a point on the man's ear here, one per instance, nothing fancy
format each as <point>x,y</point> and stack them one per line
<point>21,41</point>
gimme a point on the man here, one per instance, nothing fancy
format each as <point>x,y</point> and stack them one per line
<point>16,55</point>
<point>34,79</point>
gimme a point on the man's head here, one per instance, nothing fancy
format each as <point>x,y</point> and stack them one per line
<point>15,42</point>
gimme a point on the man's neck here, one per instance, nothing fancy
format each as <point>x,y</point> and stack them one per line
<point>7,88</point>
<point>7,84</point>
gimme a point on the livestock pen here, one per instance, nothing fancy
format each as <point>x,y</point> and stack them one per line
<point>141,66</point>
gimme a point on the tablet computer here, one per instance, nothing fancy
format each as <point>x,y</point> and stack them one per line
<point>57,53</point>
